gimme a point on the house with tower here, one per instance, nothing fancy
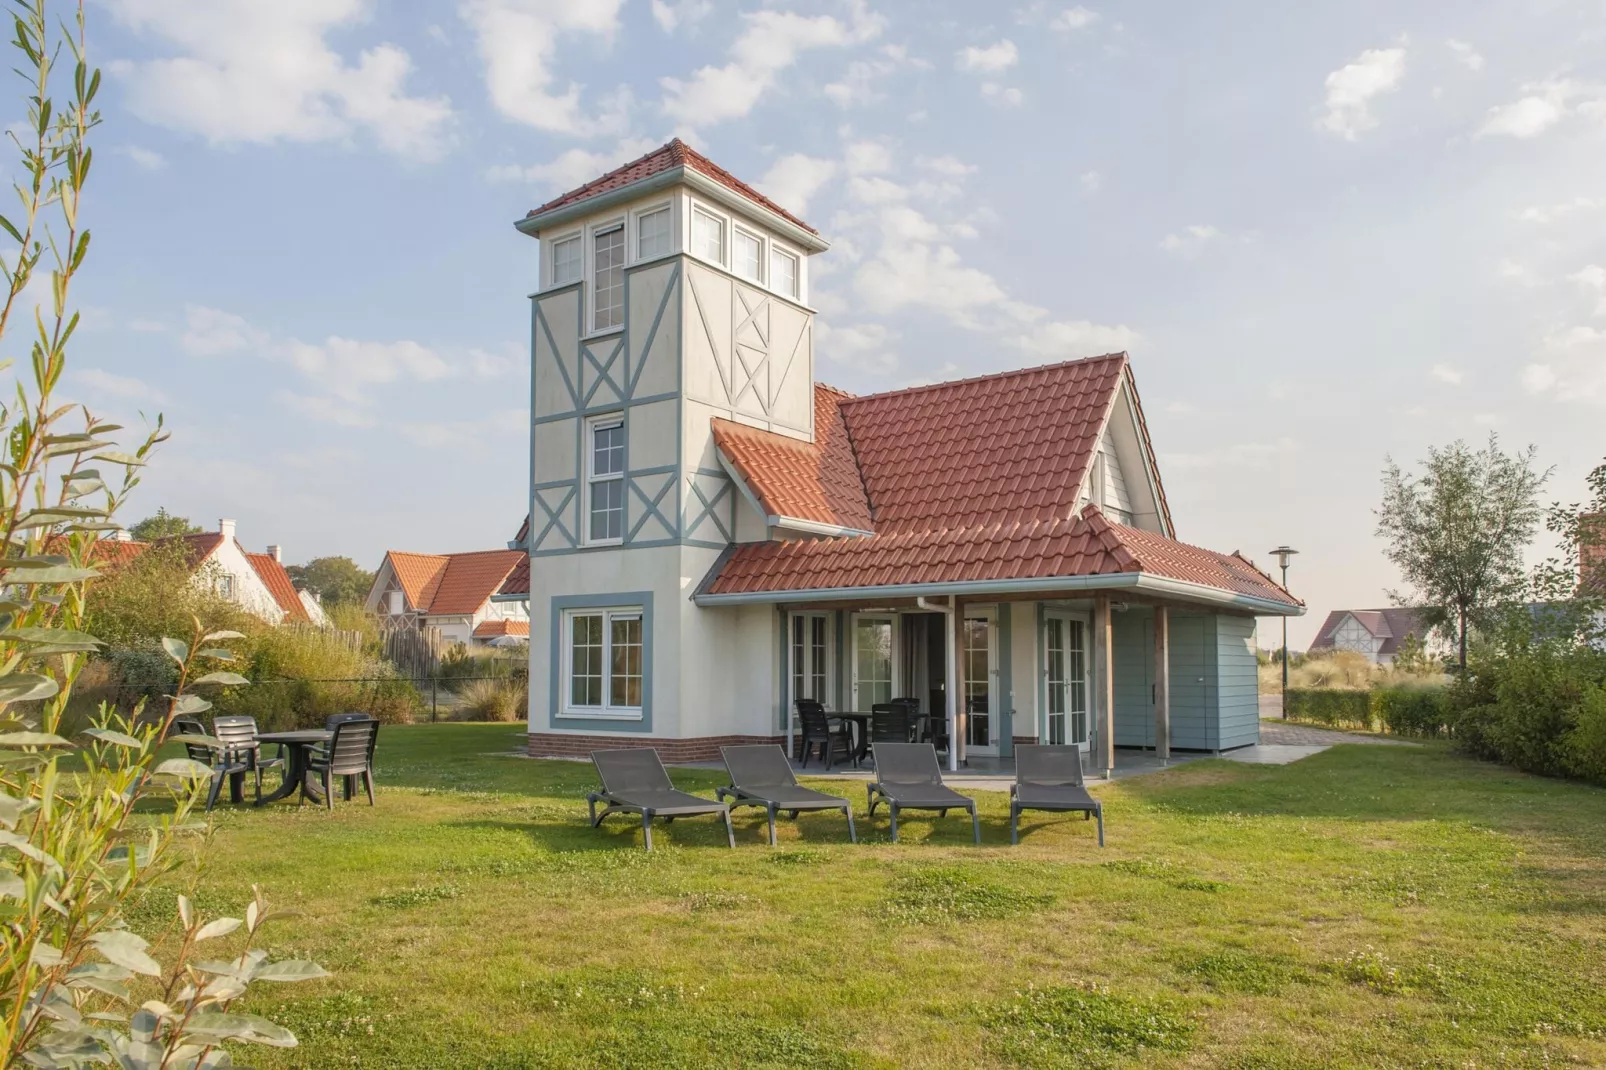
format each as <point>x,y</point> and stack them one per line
<point>713,535</point>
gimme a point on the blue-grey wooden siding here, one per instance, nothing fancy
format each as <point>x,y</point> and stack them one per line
<point>1237,682</point>
<point>1193,666</point>
<point>1134,661</point>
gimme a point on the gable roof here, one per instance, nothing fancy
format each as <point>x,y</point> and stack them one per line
<point>278,583</point>
<point>517,585</point>
<point>490,629</point>
<point>676,153</point>
<point>817,482</point>
<point>1065,553</point>
<point>1390,625</point>
<point>452,583</point>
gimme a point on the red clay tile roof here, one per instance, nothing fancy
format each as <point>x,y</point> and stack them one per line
<point>1084,545</point>
<point>666,157</point>
<point>816,481</point>
<point>453,583</point>
<point>1390,625</point>
<point>1001,449</point>
<point>277,581</point>
<point>517,584</point>
<point>490,629</point>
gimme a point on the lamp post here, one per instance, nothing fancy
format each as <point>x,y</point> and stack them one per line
<point>1282,554</point>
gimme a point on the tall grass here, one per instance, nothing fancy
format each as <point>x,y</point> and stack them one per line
<point>1342,670</point>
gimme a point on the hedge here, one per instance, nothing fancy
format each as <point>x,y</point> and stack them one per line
<point>1405,711</point>
<point>1330,706</point>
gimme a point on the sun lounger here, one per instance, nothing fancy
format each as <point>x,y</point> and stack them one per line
<point>761,776</point>
<point>1050,778</point>
<point>907,777</point>
<point>634,782</point>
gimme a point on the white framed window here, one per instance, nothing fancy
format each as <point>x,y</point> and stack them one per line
<point>566,261</point>
<point>224,585</point>
<point>811,657</point>
<point>747,258</point>
<point>783,272</point>
<point>604,667</point>
<point>605,479</point>
<point>608,273</point>
<point>654,235</point>
<point>708,236</point>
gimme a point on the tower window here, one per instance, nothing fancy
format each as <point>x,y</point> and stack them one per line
<point>605,480</point>
<point>652,234</point>
<point>566,261</point>
<point>708,236</point>
<point>608,294</point>
<point>783,272</point>
<point>749,258</point>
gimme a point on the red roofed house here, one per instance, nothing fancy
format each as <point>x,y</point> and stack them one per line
<point>450,592</point>
<point>713,535</point>
<point>1377,633</point>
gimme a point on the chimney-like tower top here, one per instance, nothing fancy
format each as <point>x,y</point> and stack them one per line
<point>225,527</point>
<point>273,552</point>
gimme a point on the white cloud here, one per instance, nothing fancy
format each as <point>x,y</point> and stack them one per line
<point>517,42</point>
<point>1190,239</point>
<point>146,159</point>
<point>1444,373</point>
<point>670,15</point>
<point>1073,19</point>
<point>947,166</point>
<point>245,71</point>
<point>867,158</point>
<point>794,179</point>
<point>1466,54</point>
<point>1091,181</point>
<point>770,42</point>
<point>119,386</point>
<point>1519,273</point>
<point>1351,88</point>
<point>1550,213</point>
<point>573,167</point>
<point>863,345</point>
<point>858,85</point>
<point>990,59</point>
<point>342,412</point>
<point>1571,367</point>
<point>1593,279</point>
<point>1002,94</point>
<point>211,332</point>
<point>1529,116</point>
<point>1076,338</point>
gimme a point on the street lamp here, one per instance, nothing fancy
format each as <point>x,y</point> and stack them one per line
<point>1282,554</point>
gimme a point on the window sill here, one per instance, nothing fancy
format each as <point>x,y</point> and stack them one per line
<point>604,715</point>
<point>606,332</point>
<point>601,544</point>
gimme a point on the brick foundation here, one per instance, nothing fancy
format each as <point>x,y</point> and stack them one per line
<point>1018,740</point>
<point>699,749</point>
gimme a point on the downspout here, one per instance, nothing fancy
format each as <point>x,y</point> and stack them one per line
<point>950,672</point>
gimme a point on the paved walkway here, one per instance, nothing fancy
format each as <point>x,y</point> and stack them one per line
<point>1276,733</point>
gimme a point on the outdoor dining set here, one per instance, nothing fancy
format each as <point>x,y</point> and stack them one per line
<point>307,760</point>
<point>907,777</point>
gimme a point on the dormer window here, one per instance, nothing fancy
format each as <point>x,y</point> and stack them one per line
<point>783,272</point>
<point>708,236</point>
<point>566,261</point>
<point>748,261</point>
<point>608,292</point>
<point>653,235</point>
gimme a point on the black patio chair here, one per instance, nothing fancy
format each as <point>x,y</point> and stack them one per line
<point>889,723</point>
<point>761,776</point>
<point>907,777</point>
<point>634,781</point>
<point>350,754</point>
<point>911,710</point>
<point>1050,778</point>
<point>333,719</point>
<point>818,732</point>
<point>239,733</point>
<point>224,761</point>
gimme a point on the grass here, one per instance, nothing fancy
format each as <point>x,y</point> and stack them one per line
<point>1370,906</point>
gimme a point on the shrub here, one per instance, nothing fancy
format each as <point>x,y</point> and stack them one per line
<point>491,700</point>
<point>1412,711</point>
<point>461,665</point>
<point>303,675</point>
<point>1330,706</point>
<point>1537,707</point>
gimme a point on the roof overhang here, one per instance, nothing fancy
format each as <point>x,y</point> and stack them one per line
<point>775,520</point>
<point>675,176</point>
<point>1048,585</point>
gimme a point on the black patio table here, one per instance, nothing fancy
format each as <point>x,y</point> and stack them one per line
<point>300,744</point>
<point>861,730</point>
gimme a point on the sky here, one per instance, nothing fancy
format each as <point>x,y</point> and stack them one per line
<point>1327,233</point>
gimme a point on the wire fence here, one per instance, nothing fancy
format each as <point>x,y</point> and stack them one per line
<point>440,694</point>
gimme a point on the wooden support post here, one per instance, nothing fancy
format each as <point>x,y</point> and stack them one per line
<point>1162,683</point>
<point>1104,681</point>
<point>961,719</point>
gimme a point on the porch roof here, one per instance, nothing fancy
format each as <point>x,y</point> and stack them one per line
<point>1081,553</point>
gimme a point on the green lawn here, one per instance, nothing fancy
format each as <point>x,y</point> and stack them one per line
<point>1371,906</point>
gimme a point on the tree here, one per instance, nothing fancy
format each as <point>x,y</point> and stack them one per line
<point>163,526</point>
<point>1572,583</point>
<point>335,580</point>
<point>1457,532</point>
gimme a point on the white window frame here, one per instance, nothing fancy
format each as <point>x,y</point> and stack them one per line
<point>552,265</point>
<point>813,664</point>
<point>598,231</point>
<point>639,216</point>
<point>737,233</point>
<point>592,478</point>
<point>609,615</point>
<point>724,234</point>
<point>796,293</point>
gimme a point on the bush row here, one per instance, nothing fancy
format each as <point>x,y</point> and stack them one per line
<point>1540,708</point>
<point>1406,711</point>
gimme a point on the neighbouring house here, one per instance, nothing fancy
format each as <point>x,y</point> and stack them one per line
<point>714,535</point>
<point>1376,633</point>
<point>453,593</point>
<point>256,581</point>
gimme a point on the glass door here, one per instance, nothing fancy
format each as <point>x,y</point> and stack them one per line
<point>981,675</point>
<point>873,679</point>
<point>810,657</point>
<point>1065,673</point>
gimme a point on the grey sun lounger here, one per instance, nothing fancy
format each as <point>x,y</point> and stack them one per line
<point>907,777</point>
<point>1050,778</point>
<point>634,782</point>
<point>761,776</point>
